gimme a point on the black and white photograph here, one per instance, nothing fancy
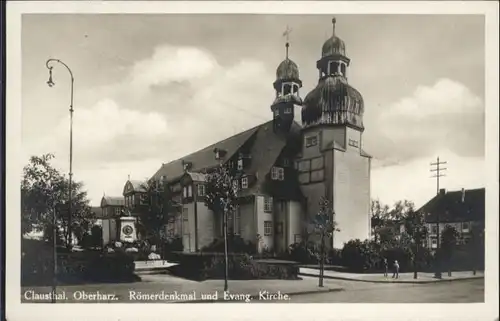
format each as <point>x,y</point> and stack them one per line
<point>282,156</point>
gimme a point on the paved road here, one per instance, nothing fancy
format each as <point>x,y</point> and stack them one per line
<point>360,292</point>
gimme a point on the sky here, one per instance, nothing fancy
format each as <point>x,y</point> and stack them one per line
<point>150,88</point>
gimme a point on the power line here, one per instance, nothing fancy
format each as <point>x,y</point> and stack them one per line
<point>437,169</point>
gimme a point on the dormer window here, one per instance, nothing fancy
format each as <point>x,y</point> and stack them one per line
<point>288,110</point>
<point>244,182</point>
<point>240,164</point>
<point>278,173</point>
<point>219,153</point>
<point>286,162</point>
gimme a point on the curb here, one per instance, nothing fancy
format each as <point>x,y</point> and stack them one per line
<point>256,296</point>
<point>391,281</point>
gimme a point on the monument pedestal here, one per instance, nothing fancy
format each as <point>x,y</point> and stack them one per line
<point>128,232</point>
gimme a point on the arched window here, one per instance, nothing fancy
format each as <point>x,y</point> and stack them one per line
<point>334,67</point>
<point>287,88</point>
<point>343,69</point>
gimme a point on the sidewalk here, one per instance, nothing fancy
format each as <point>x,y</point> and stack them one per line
<point>169,289</point>
<point>423,277</point>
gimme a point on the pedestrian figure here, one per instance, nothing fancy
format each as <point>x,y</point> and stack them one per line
<point>395,275</point>
<point>386,267</point>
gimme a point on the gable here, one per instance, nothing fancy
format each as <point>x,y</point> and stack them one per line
<point>205,158</point>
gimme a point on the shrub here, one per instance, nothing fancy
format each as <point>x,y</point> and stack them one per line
<point>360,256</point>
<point>235,244</point>
<point>202,266</point>
<point>111,267</point>
<point>304,252</point>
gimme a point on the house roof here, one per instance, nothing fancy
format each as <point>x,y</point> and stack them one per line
<point>451,207</point>
<point>205,157</point>
<point>112,201</point>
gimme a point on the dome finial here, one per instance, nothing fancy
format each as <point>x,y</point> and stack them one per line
<point>287,35</point>
<point>333,24</point>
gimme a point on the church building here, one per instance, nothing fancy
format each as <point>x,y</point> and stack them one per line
<point>284,168</point>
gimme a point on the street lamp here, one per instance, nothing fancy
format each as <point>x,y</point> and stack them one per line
<point>51,83</point>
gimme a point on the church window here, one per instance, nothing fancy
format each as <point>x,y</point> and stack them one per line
<point>317,176</point>
<point>268,204</point>
<point>244,182</point>
<point>305,166</point>
<point>268,228</point>
<point>288,110</point>
<point>305,178</point>
<point>278,173</point>
<point>343,68</point>
<point>184,192</point>
<point>311,141</point>
<point>317,163</point>
<point>353,143</point>
<point>190,191</point>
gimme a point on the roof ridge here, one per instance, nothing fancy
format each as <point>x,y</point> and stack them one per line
<point>254,129</point>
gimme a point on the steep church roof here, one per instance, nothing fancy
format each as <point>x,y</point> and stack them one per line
<point>264,152</point>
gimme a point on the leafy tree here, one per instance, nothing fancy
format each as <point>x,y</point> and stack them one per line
<point>449,239</point>
<point>379,218</point>
<point>158,205</point>
<point>416,230</point>
<point>324,226</point>
<point>221,198</point>
<point>44,192</point>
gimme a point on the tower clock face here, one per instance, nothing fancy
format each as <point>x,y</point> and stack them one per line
<point>127,230</point>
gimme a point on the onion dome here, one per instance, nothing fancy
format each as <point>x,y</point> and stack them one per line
<point>287,70</point>
<point>333,46</point>
<point>333,102</point>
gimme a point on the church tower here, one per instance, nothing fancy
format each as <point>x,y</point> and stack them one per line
<point>287,87</point>
<point>332,163</point>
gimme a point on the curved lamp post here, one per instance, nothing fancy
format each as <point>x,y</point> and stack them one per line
<point>49,64</point>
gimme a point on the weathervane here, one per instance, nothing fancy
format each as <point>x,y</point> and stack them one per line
<point>286,34</point>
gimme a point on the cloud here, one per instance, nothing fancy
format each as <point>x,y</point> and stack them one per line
<point>445,115</point>
<point>175,102</point>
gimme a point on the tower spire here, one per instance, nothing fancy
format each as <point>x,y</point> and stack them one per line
<point>333,25</point>
<point>286,34</point>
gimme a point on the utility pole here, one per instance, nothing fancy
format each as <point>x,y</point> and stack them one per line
<point>437,169</point>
